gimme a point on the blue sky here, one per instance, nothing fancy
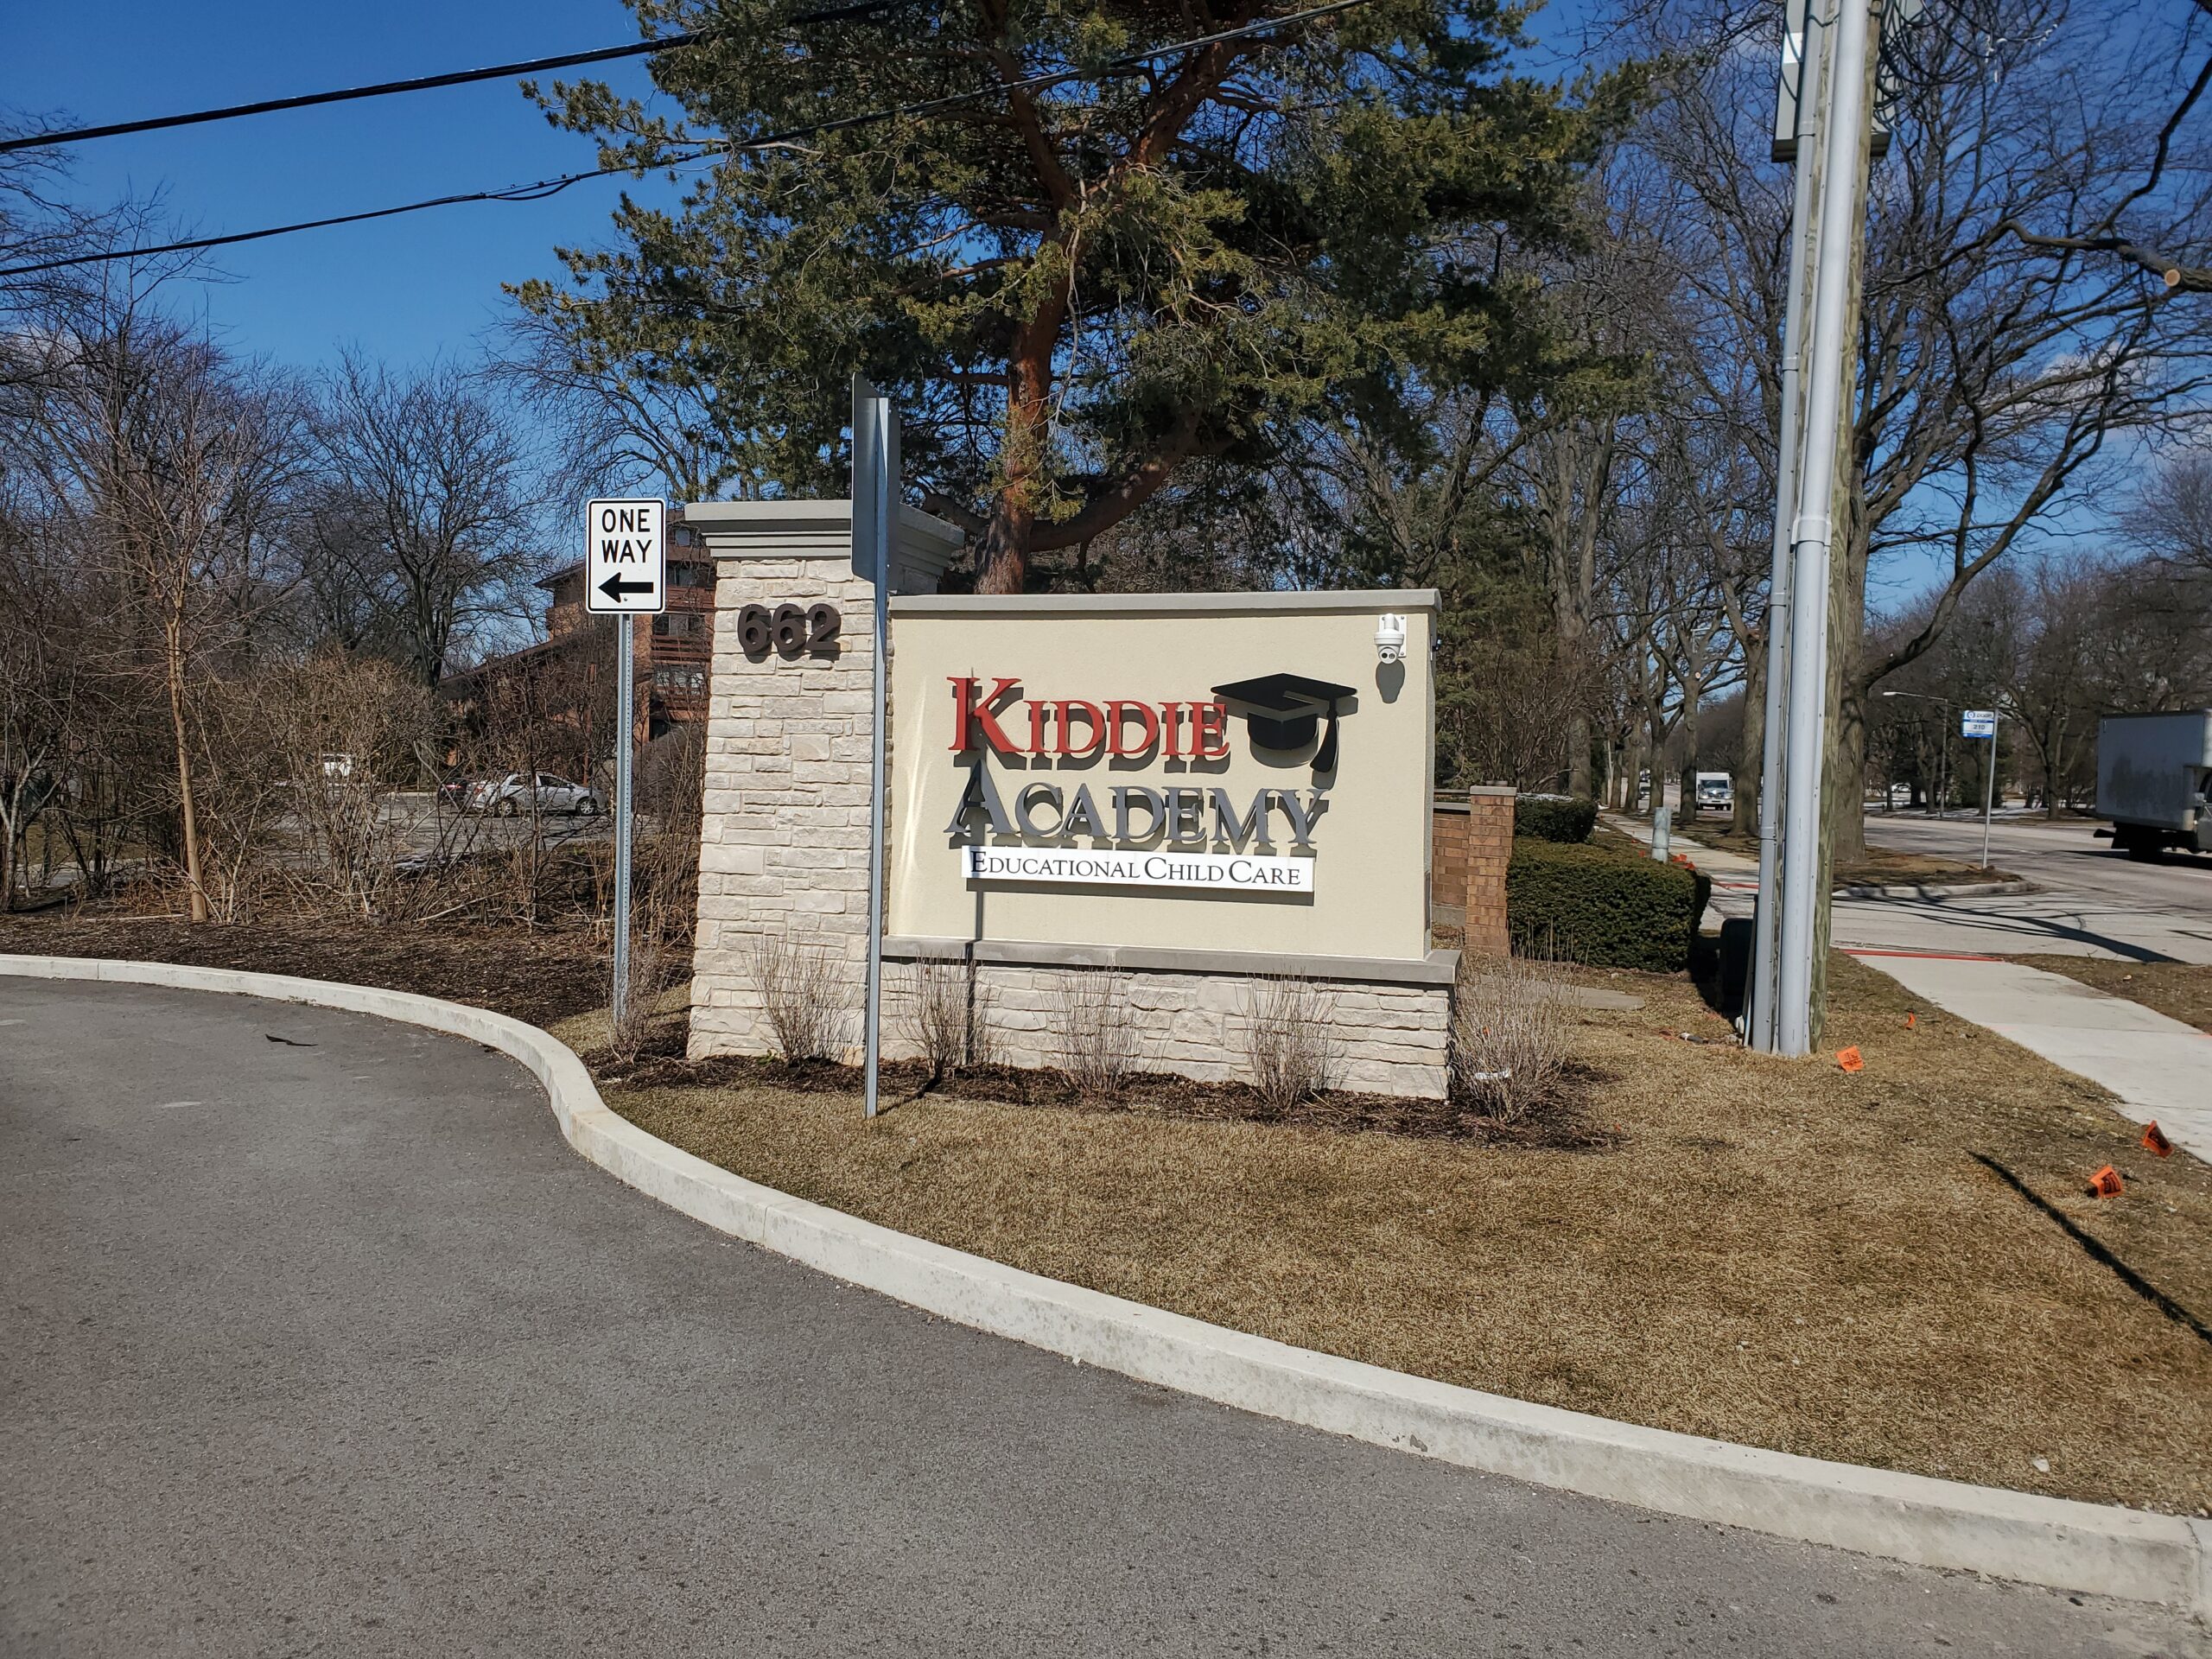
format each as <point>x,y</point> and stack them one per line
<point>403,288</point>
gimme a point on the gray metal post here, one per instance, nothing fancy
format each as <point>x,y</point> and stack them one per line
<point>1843,140</point>
<point>625,673</point>
<point>1988,797</point>
<point>1764,981</point>
<point>876,520</point>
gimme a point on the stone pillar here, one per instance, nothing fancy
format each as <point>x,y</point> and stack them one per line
<point>784,844</point>
<point>1490,849</point>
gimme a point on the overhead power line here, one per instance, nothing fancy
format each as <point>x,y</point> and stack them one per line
<point>422,83</point>
<point>784,140</point>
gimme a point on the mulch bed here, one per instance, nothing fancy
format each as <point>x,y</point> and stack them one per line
<point>536,975</point>
<point>662,1066</point>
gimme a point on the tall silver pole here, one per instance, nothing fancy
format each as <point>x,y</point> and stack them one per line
<point>1843,142</point>
<point>881,483</point>
<point>1764,982</point>
<point>625,673</point>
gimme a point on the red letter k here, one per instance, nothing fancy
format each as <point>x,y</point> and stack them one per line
<point>972,716</point>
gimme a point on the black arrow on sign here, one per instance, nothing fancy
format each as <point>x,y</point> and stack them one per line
<point>614,587</point>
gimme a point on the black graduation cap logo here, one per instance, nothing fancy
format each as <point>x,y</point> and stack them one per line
<point>1281,710</point>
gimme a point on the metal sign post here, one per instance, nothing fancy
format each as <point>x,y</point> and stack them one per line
<point>1982,723</point>
<point>875,524</point>
<point>626,569</point>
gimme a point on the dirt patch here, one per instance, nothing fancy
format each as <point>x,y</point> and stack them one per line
<point>2180,990</point>
<point>1886,866</point>
<point>1781,1254</point>
<point>538,974</point>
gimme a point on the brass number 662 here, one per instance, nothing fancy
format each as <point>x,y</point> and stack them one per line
<point>788,630</point>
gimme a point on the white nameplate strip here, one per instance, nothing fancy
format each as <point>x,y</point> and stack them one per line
<point>1219,872</point>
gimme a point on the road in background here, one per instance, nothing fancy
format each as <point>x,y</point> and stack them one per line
<point>2087,900</point>
<point>2090,900</point>
<point>318,1338</point>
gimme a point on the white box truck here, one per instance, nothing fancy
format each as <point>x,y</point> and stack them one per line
<point>2154,780</point>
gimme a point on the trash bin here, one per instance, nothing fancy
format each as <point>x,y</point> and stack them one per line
<point>1737,935</point>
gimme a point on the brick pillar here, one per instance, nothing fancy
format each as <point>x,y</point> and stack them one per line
<point>1490,849</point>
<point>783,827</point>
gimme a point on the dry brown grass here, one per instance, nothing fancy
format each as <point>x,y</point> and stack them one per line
<point>1767,1252</point>
<point>2180,990</point>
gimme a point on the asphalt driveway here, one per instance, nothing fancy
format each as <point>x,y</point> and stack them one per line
<point>317,1339</point>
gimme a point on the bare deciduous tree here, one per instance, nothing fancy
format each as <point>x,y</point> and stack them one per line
<point>422,525</point>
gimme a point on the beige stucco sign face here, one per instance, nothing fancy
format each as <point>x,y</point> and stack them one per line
<point>1219,773</point>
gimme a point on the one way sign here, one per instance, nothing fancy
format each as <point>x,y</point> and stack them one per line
<point>625,552</point>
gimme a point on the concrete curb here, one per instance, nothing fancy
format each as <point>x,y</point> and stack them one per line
<point>2083,1548</point>
<point>1936,890</point>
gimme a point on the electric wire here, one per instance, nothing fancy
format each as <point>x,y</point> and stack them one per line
<point>541,189</point>
<point>420,83</point>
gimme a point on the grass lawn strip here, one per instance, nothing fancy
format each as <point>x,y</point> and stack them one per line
<point>1881,866</point>
<point>2180,990</point>
<point>1775,1253</point>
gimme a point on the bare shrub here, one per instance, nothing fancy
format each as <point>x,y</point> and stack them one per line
<point>947,1016</point>
<point>803,994</point>
<point>649,960</point>
<point>346,730</point>
<point>1509,1040</point>
<point>1101,1047</point>
<point>1290,1045</point>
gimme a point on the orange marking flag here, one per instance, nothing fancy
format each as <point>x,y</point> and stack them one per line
<point>2106,1184</point>
<point>2154,1138</point>
<point>1850,1060</point>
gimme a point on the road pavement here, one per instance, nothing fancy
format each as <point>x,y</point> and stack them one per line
<point>2088,901</point>
<point>317,1339</point>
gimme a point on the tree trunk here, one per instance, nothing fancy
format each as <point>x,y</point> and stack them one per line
<point>1692,690</point>
<point>1750,750</point>
<point>1002,551</point>
<point>197,895</point>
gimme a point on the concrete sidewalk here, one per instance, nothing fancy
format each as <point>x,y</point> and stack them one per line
<point>2159,1067</point>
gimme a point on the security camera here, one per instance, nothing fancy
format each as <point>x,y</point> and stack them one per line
<point>1390,637</point>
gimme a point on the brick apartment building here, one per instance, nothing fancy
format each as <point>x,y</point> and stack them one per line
<point>673,650</point>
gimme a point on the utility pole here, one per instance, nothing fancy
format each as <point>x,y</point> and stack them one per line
<point>1845,147</point>
<point>1796,128</point>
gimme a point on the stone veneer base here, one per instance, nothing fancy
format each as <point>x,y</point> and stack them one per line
<point>1388,1022</point>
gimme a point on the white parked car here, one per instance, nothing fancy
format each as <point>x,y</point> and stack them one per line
<point>534,793</point>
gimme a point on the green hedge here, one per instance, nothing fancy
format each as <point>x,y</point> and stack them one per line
<point>1592,904</point>
<point>1554,818</point>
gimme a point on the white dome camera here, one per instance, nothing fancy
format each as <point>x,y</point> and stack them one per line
<point>1390,637</point>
